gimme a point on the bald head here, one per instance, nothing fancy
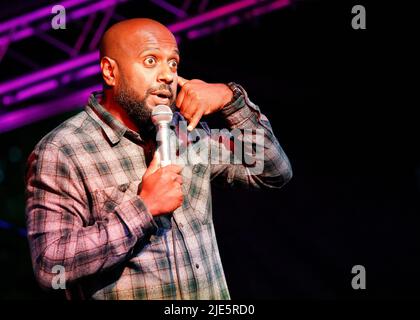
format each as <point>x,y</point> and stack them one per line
<point>125,37</point>
<point>139,63</point>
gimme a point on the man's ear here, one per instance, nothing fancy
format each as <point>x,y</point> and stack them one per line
<point>109,71</point>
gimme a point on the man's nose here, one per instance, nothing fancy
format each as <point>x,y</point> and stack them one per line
<point>166,75</point>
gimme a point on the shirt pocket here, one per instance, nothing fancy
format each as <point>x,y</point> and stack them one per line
<point>105,200</point>
<point>197,193</point>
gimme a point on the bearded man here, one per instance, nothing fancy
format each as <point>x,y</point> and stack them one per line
<point>102,209</point>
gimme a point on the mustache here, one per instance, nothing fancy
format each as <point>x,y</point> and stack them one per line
<point>160,87</point>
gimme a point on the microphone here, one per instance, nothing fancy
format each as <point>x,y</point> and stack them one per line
<point>161,118</point>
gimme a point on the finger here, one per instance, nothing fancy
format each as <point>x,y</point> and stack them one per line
<point>180,98</point>
<point>154,164</point>
<point>186,108</point>
<point>180,191</point>
<point>182,81</point>
<point>178,178</point>
<point>195,119</point>
<point>173,168</point>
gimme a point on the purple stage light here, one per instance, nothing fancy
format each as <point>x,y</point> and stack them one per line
<point>49,72</point>
<point>19,118</point>
<point>48,85</point>
<point>87,65</point>
<point>80,13</point>
<point>30,92</point>
<point>36,15</point>
<point>93,8</point>
<point>91,57</point>
<point>170,8</point>
<point>87,72</point>
<point>234,20</point>
<point>39,88</point>
<point>211,15</point>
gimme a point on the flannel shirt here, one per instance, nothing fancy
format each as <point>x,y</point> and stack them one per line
<point>83,211</point>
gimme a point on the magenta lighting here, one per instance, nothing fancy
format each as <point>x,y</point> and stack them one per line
<point>81,66</point>
<point>49,72</point>
<point>25,32</point>
<point>211,15</point>
<point>36,15</point>
<point>234,20</point>
<point>19,118</point>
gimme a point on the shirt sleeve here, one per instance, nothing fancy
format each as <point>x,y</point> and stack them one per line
<point>59,232</point>
<point>248,154</point>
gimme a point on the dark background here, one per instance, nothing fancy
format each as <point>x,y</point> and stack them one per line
<point>338,101</point>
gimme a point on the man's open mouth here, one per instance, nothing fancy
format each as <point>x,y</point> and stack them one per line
<point>161,97</point>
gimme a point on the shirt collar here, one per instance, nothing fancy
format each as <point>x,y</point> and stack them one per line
<point>115,130</point>
<point>112,127</point>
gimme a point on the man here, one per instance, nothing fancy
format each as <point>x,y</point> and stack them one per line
<point>100,207</point>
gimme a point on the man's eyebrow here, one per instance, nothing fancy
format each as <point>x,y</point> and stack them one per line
<point>157,49</point>
<point>148,49</point>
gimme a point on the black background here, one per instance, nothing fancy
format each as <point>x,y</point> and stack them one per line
<point>338,101</point>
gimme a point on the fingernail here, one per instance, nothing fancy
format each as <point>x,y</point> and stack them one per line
<point>189,128</point>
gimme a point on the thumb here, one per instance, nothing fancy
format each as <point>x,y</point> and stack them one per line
<point>154,165</point>
<point>182,81</point>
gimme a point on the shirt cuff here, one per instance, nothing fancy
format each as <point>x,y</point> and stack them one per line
<point>237,100</point>
<point>137,217</point>
<point>239,109</point>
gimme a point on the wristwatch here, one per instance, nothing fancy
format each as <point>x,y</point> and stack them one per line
<point>230,107</point>
<point>236,91</point>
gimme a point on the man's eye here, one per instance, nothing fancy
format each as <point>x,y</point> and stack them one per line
<point>173,64</point>
<point>150,61</point>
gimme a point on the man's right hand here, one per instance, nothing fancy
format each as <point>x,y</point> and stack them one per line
<point>161,189</point>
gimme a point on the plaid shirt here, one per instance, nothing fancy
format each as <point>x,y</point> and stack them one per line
<point>84,213</point>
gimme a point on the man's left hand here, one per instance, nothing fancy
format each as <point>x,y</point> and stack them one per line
<point>197,98</point>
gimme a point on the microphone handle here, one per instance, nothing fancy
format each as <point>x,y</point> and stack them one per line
<point>164,145</point>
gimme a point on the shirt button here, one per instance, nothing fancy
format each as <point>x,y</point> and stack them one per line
<point>181,225</point>
<point>197,265</point>
<point>123,187</point>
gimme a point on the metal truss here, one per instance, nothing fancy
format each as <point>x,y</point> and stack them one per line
<point>79,60</point>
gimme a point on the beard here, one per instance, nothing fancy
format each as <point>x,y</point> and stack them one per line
<point>136,107</point>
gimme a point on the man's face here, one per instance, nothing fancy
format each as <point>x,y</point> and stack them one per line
<point>147,76</point>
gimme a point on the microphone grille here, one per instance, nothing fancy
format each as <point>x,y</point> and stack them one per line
<point>161,113</point>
